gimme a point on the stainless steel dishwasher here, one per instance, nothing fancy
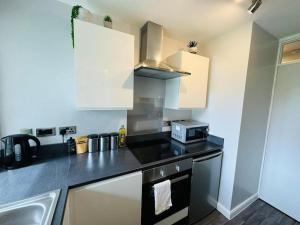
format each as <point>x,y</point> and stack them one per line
<point>205,186</point>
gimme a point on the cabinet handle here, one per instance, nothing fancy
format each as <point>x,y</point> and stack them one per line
<point>208,157</point>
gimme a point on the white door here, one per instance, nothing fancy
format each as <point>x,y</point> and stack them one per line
<point>280,184</point>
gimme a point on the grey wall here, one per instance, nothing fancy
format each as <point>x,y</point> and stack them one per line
<point>257,99</point>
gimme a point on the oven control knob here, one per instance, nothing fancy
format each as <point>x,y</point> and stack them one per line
<point>177,168</point>
<point>162,173</point>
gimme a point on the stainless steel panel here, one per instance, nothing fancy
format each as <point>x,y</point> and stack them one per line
<point>162,71</point>
<point>151,42</point>
<point>147,114</point>
<point>151,62</point>
<point>205,186</point>
<point>166,170</point>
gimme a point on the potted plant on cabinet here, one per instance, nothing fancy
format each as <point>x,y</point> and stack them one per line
<point>80,13</point>
<point>192,45</point>
<point>107,22</point>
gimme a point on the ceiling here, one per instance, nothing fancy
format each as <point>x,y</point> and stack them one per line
<point>204,19</point>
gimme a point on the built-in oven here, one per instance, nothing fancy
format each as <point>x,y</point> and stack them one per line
<point>179,173</point>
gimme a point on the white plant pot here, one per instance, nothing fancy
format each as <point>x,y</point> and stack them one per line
<point>107,24</point>
<point>193,50</point>
<point>85,15</point>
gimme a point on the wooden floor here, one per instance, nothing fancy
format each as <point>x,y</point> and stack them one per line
<point>259,213</point>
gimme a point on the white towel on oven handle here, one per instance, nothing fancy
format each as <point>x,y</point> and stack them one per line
<point>162,196</point>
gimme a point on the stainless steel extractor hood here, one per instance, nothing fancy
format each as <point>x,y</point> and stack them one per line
<point>151,64</point>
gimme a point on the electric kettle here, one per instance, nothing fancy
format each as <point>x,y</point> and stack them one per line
<point>17,151</point>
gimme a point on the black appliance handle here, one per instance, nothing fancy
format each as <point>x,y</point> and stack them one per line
<point>177,179</point>
<point>37,141</point>
<point>208,157</point>
<point>4,139</point>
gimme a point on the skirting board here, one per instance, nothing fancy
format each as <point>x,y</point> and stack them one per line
<point>223,210</point>
<point>230,214</point>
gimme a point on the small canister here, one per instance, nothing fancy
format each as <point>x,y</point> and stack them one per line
<point>93,143</point>
<point>81,144</point>
<point>114,141</point>
<point>104,142</point>
<point>71,145</point>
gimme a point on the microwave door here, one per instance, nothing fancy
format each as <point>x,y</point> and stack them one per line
<point>195,134</point>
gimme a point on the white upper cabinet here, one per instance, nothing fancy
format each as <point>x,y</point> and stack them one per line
<point>104,64</point>
<point>187,92</point>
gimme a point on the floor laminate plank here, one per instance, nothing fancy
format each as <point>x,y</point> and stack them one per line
<point>285,220</point>
<point>215,218</point>
<point>247,213</point>
<point>273,219</point>
<point>255,217</point>
<point>258,213</point>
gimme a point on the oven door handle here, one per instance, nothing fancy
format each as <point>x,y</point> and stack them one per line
<point>175,180</point>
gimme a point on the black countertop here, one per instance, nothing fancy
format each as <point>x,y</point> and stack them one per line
<point>55,169</point>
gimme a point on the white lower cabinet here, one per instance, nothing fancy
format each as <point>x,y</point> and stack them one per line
<point>110,202</point>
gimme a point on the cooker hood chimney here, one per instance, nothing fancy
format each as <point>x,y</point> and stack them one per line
<point>151,64</point>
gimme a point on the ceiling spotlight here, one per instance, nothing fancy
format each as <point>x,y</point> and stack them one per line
<point>254,6</point>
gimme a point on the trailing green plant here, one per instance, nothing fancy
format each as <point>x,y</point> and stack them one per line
<point>107,19</point>
<point>192,44</point>
<point>74,15</point>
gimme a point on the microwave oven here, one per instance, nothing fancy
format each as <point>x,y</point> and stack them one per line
<point>188,131</point>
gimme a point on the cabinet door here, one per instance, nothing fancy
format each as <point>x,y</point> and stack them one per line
<point>104,64</point>
<point>111,202</point>
<point>193,89</point>
<point>187,92</point>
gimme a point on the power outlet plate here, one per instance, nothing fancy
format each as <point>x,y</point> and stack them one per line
<point>45,132</point>
<point>69,130</point>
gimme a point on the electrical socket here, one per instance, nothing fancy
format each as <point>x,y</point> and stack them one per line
<point>69,130</point>
<point>45,132</point>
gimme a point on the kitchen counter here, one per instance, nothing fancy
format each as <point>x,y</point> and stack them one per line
<point>55,169</point>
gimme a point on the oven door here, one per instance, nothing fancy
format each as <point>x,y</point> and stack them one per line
<point>180,196</point>
<point>196,134</point>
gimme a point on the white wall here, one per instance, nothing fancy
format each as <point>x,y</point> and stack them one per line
<point>36,70</point>
<point>258,92</point>
<point>229,56</point>
<point>36,77</point>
